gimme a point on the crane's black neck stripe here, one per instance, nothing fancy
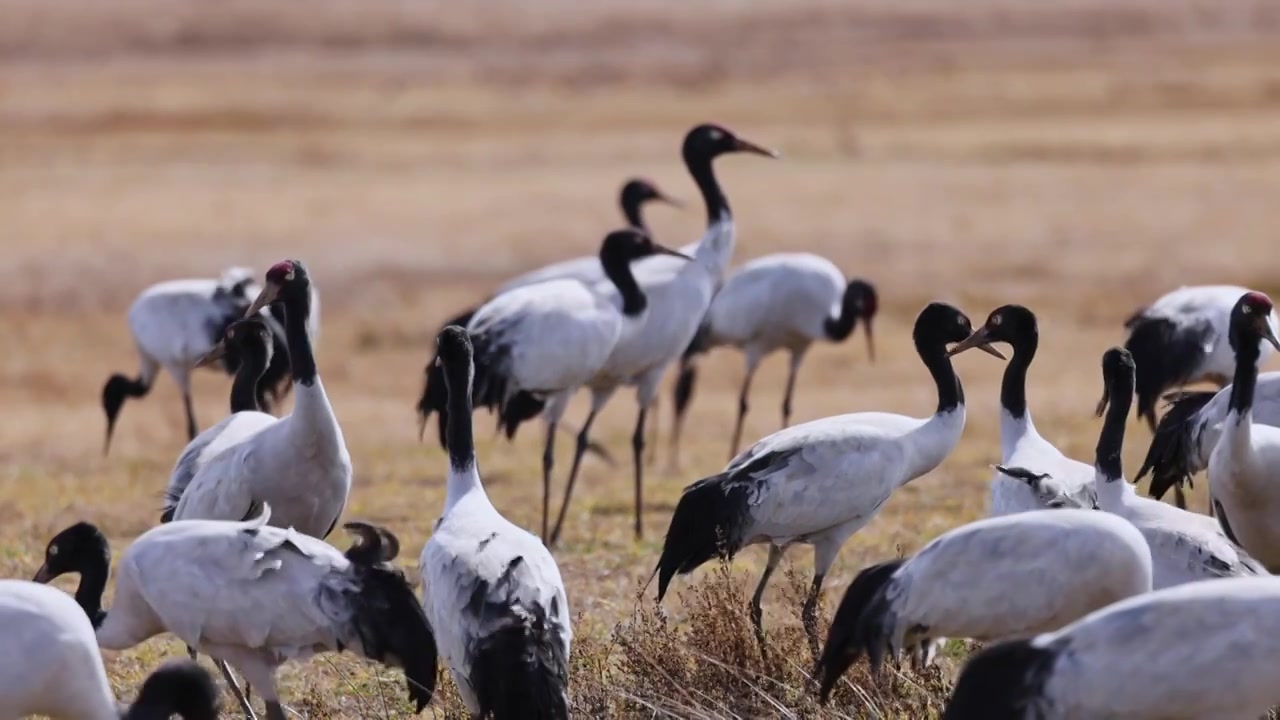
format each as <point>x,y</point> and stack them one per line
<point>1246,376</point>
<point>699,165</point>
<point>1013,387</point>
<point>933,351</point>
<point>1111,438</point>
<point>244,389</point>
<point>631,211</point>
<point>297,311</point>
<point>618,270</point>
<point>458,438</point>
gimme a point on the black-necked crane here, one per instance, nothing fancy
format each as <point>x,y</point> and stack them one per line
<point>252,341</point>
<point>492,590</point>
<point>819,482</point>
<point>1000,578</point>
<point>173,325</point>
<point>50,665</point>
<point>679,295</point>
<point>1190,428</point>
<point>1185,546</point>
<point>1201,650</point>
<point>550,338</point>
<point>1181,338</point>
<point>253,596</point>
<point>785,301</point>
<point>1021,445</point>
<point>299,463</point>
<point>635,194</point>
<point>1244,467</point>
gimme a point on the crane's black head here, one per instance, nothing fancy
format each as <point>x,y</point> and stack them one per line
<point>246,340</point>
<point>1013,324</point>
<point>454,354</point>
<point>637,192</point>
<point>179,688</point>
<point>75,549</point>
<point>287,282</point>
<point>117,389</point>
<point>1117,376</point>
<point>1251,322</point>
<point>706,142</point>
<point>939,324</point>
<point>622,247</point>
<point>860,301</point>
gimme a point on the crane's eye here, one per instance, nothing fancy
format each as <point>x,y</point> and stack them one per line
<point>53,550</point>
<point>997,319</point>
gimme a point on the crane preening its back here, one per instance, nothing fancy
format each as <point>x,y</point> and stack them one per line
<point>819,482</point>
<point>782,301</point>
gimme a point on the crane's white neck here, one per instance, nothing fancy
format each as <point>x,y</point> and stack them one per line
<point>313,418</point>
<point>715,251</point>
<point>1014,430</point>
<point>933,441</point>
<point>463,484</point>
<point>1112,494</point>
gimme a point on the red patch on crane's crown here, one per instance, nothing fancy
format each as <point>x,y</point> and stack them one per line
<point>280,272</point>
<point>1257,302</point>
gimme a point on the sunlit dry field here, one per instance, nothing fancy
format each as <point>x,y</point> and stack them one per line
<point>1079,159</point>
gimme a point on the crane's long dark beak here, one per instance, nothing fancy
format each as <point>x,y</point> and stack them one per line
<point>871,342</point>
<point>664,250</point>
<point>977,340</point>
<point>269,293</point>
<point>1268,334</point>
<point>748,146</point>
<point>218,352</point>
<point>43,575</point>
<point>662,197</point>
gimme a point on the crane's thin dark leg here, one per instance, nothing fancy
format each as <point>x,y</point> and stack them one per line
<point>191,416</point>
<point>275,711</point>
<point>682,393</point>
<point>584,442</point>
<point>809,615</point>
<point>637,450</point>
<point>548,460</point>
<point>235,690</point>
<point>791,387</point>
<point>742,410</point>
<point>652,441</point>
<point>757,614</point>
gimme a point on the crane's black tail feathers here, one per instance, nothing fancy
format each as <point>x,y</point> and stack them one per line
<point>1173,451</point>
<point>863,624</point>
<point>386,618</point>
<point>178,687</point>
<point>1005,681</point>
<point>1164,354</point>
<point>707,523</point>
<point>521,671</point>
<point>519,409</point>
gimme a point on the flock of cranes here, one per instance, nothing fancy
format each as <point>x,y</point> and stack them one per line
<point>1097,602</point>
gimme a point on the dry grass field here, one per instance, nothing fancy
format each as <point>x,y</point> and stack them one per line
<point>1079,157</point>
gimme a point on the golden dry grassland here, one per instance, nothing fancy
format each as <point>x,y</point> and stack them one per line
<point>1079,157</point>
